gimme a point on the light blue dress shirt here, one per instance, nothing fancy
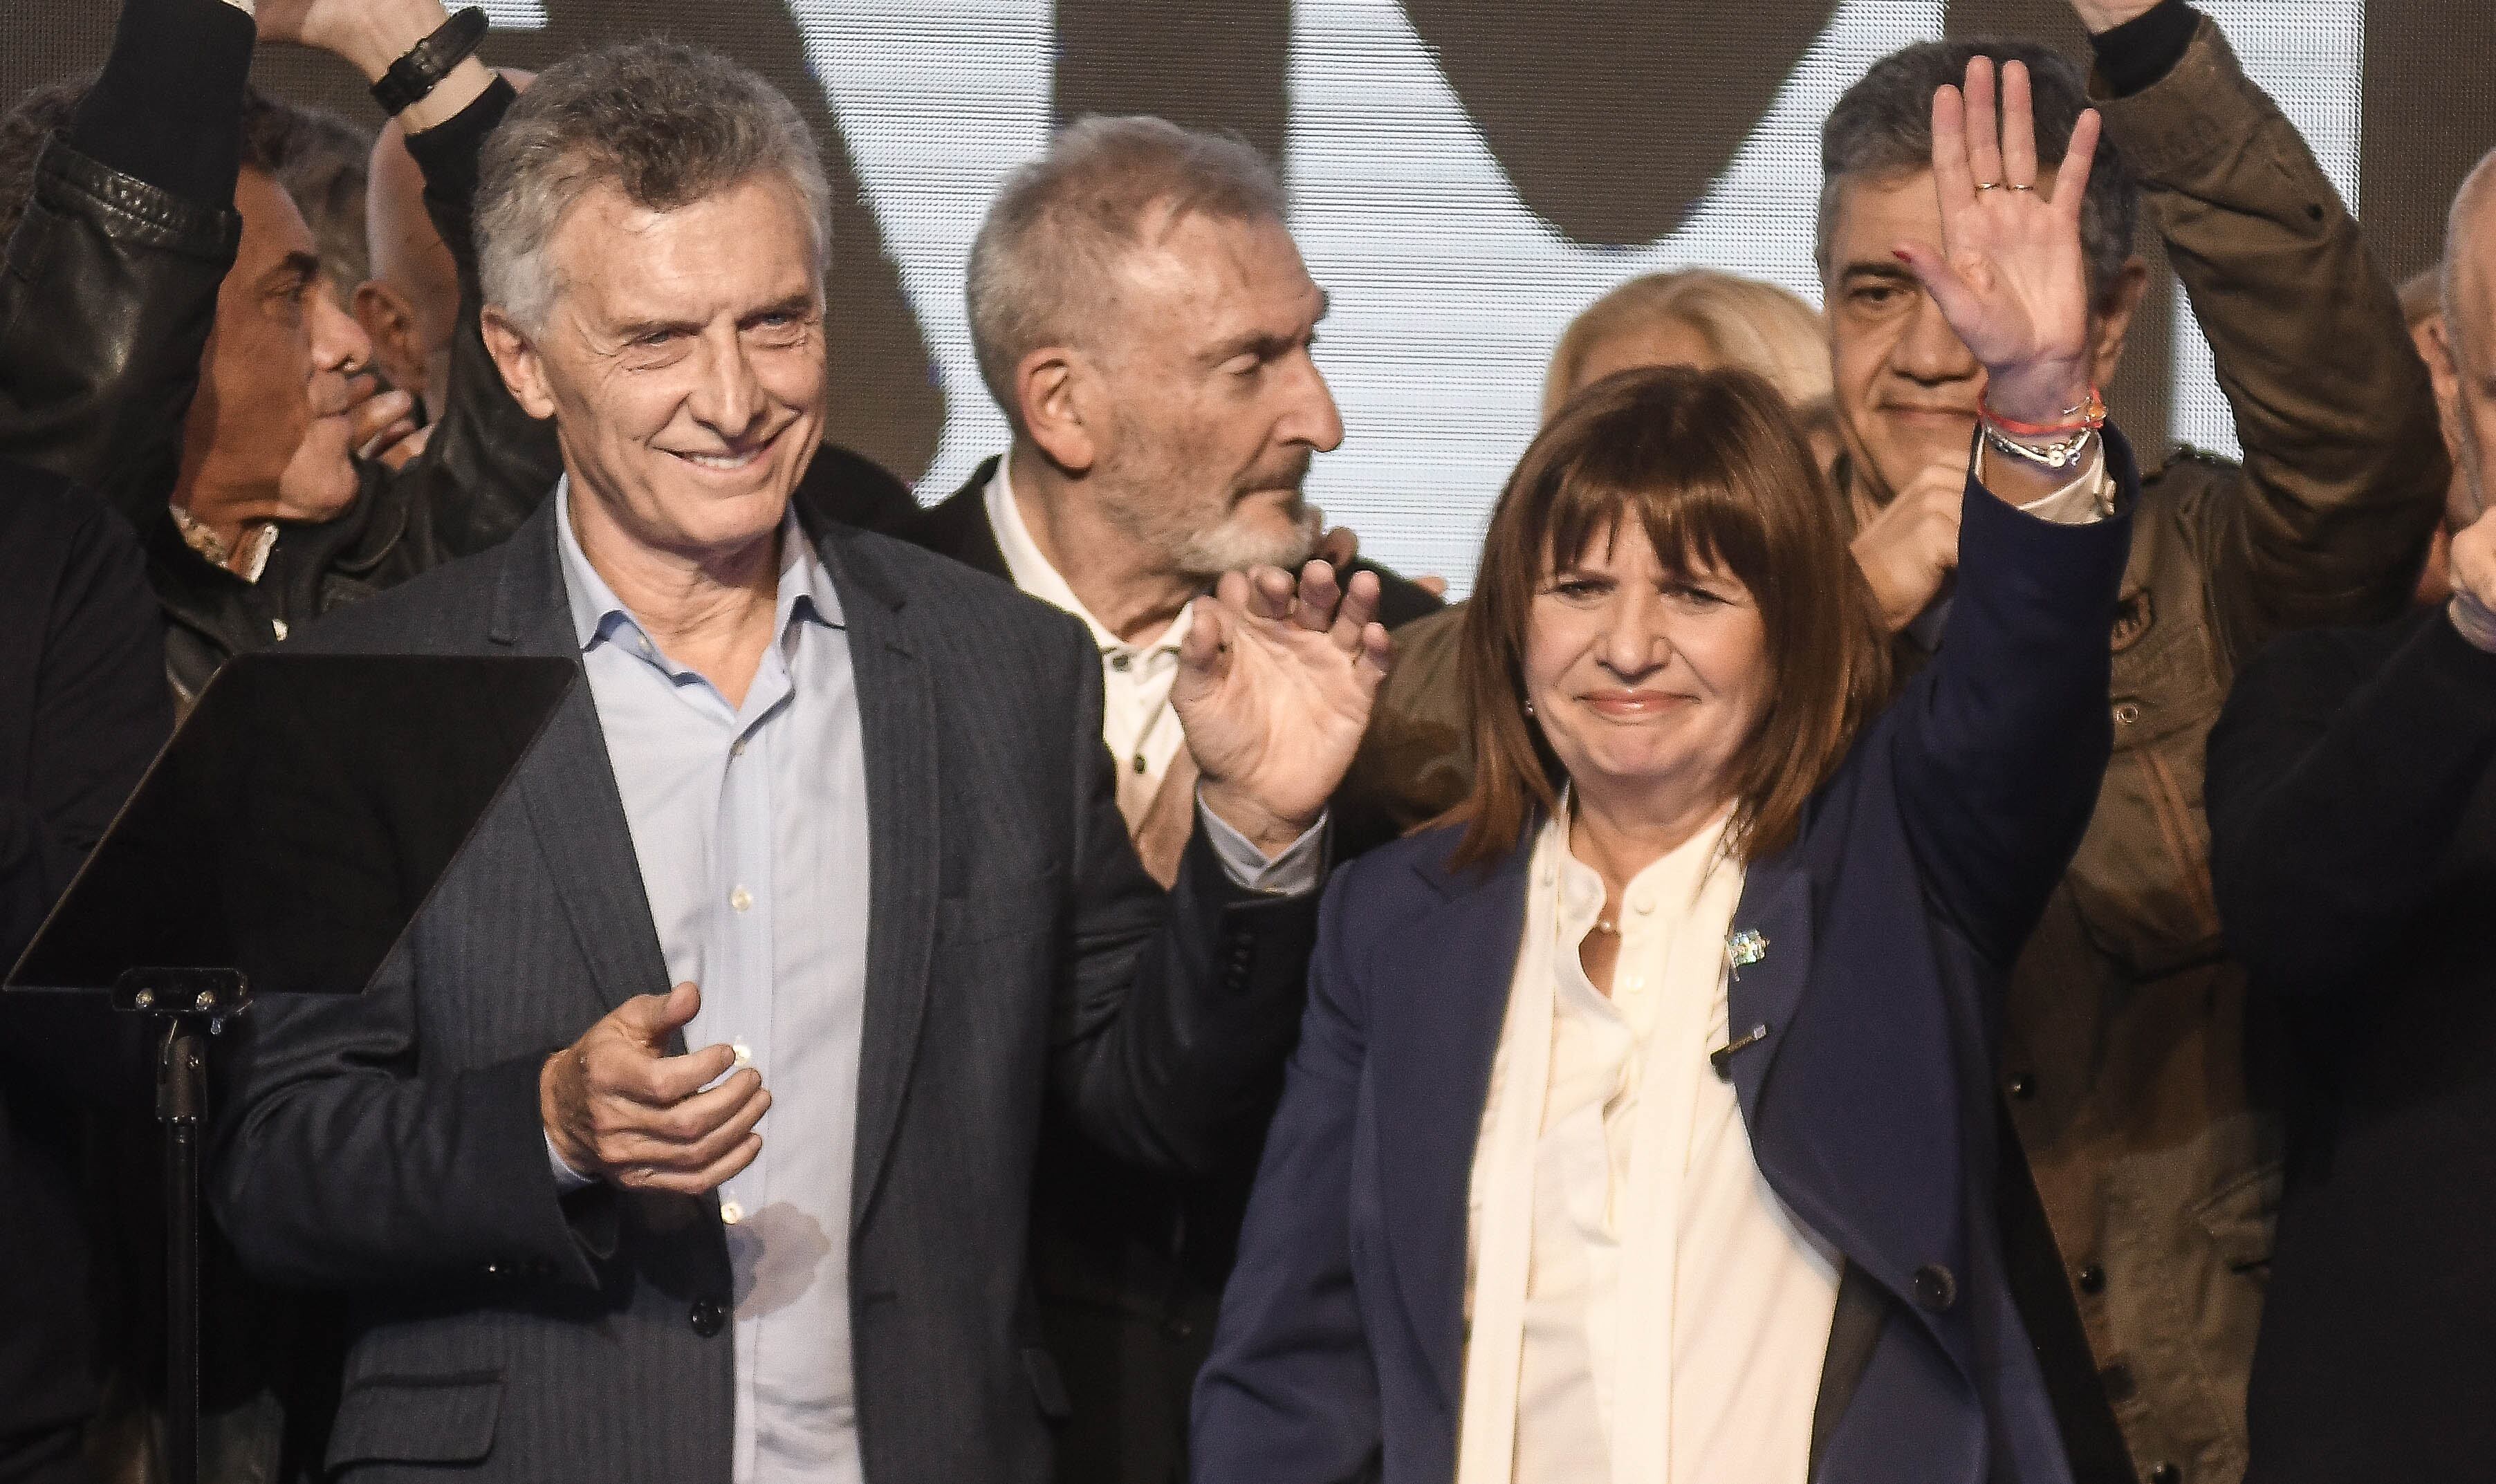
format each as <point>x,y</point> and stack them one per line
<point>750,826</point>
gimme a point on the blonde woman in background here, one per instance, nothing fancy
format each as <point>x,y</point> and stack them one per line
<point>1418,755</point>
<point>1693,317</point>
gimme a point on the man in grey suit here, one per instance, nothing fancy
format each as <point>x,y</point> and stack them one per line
<point>849,799</point>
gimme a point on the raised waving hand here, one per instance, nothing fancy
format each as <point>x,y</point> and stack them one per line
<point>2008,274</point>
<point>1277,679</point>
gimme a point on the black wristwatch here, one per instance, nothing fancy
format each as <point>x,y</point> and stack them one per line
<point>418,73</point>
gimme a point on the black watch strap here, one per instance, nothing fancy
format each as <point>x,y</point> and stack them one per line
<point>414,75</point>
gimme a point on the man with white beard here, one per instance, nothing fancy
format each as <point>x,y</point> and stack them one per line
<point>1144,318</point>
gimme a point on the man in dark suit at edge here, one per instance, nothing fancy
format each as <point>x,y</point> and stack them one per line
<point>850,801</point>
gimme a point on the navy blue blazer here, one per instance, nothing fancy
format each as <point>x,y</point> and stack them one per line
<point>1891,923</point>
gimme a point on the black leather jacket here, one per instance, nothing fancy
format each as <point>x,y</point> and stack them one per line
<point>106,300</point>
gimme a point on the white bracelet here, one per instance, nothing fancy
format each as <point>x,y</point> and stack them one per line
<point>2062,454</point>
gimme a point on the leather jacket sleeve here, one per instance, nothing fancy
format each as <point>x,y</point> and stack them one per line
<point>2344,468</point>
<point>110,284</point>
<point>106,298</point>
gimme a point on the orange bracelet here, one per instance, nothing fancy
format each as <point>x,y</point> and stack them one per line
<point>2090,415</point>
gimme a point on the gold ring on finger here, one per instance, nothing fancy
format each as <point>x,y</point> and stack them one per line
<point>1988,185</point>
<point>2022,187</point>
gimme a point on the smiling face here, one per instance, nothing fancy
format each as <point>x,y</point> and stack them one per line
<point>1647,679</point>
<point>682,360</point>
<point>1214,406</point>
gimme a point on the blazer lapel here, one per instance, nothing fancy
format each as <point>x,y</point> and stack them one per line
<point>897,725</point>
<point>568,785</point>
<point>957,526</point>
<point>1773,930</point>
<point>1434,1025</point>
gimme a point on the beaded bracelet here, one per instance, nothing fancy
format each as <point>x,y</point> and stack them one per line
<point>2088,415</point>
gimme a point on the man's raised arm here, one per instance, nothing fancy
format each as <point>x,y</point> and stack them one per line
<point>2344,468</point>
<point>109,288</point>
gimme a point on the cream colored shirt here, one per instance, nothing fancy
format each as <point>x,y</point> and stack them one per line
<point>1641,1308</point>
<point>258,539</point>
<point>1138,721</point>
<point>1137,718</point>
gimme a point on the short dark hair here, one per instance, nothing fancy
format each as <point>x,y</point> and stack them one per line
<point>46,110</point>
<point>1713,467</point>
<point>1883,128</point>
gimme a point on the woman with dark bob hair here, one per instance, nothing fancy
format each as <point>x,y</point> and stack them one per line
<point>1641,1127</point>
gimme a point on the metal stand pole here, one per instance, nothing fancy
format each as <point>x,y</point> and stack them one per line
<point>191,1005</point>
<point>181,1102</point>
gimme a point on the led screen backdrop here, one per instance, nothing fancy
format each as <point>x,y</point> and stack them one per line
<point>1465,175</point>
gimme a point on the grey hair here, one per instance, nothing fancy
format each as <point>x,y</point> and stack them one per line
<point>2462,230</point>
<point>1882,128</point>
<point>666,124</point>
<point>1045,263</point>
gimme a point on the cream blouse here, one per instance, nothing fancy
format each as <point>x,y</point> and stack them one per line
<point>1641,1308</point>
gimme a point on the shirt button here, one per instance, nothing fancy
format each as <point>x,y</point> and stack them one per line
<point>2166,1474</point>
<point>278,627</point>
<point>2093,1280</point>
<point>2022,1085</point>
<point>1120,661</point>
<point>744,1053</point>
<point>740,898</point>
<point>1139,762</point>
<point>645,645</point>
<point>730,1213</point>
<point>736,749</point>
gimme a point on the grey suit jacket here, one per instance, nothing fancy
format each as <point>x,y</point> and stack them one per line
<point>389,1145</point>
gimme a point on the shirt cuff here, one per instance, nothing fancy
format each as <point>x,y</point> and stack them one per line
<point>2077,504</point>
<point>2138,54</point>
<point>1293,873</point>
<point>566,1178</point>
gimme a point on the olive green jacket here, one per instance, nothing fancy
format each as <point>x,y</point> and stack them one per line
<point>2138,1076</point>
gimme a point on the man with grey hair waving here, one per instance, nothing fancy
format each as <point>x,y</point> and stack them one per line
<point>1143,320</point>
<point>830,812</point>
